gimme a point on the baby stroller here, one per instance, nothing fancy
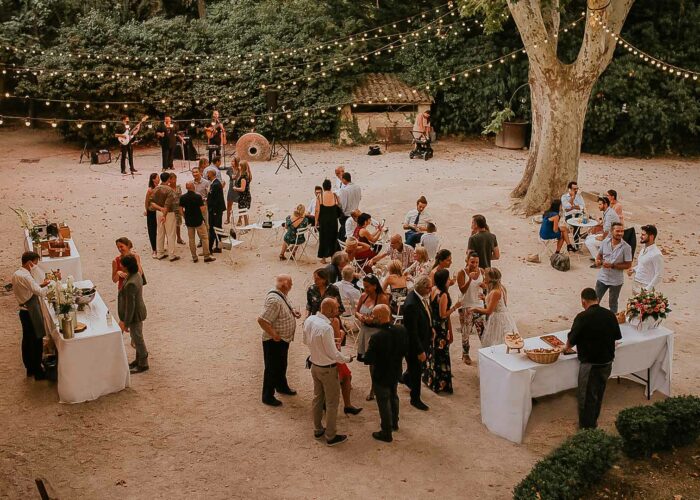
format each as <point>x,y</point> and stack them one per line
<point>421,147</point>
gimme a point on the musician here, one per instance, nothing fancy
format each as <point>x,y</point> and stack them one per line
<point>124,132</point>
<point>216,135</point>
<point>167,133</point>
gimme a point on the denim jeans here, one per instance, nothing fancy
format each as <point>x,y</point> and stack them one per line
<point>614,293</point>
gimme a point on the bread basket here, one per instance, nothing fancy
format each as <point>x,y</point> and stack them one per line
<point>543,356</point>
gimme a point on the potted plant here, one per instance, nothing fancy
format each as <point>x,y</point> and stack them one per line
<point>510,133</point>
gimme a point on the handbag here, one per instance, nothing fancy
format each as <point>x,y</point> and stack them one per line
<point>374,151</point>
<point>560,262</point>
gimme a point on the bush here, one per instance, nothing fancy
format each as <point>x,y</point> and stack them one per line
<point>570,469</point>
<point>669,423</point>
<point>643,430</point>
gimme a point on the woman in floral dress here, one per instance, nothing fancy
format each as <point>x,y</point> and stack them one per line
<point>438,373</point>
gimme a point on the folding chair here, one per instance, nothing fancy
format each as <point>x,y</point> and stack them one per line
<point>349,322</point>
<point>238,213</point>
<point>301,234</point>
<point>398,317</point>
<point>227,241</point>
<point>313,233</point>
<point>341,243</point>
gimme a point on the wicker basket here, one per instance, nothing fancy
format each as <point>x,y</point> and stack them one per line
<point>543,358</point>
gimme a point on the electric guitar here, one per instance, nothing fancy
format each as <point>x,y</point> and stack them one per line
<point>126,138</point>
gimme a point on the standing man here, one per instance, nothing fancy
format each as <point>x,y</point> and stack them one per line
<point>278,322</point>
<point>216,135</point>
<point>192,209</point>
<point>594,333</point>
<point>385,354</point>
<point>338,181</point>
<point>216,206</point>
<point>163,200</point>
<point>167,133</point>
<point>572,203</point>
<point>470,281</point>
<point>649,270</point>
<point>483,242</point>
<point>126,150</point>
<point>324,357</point>
<point>416,222</point>
<point>29,295</point>
<point>598,233</point>
<point>349,195</point>
<point>132,312</point>
<point>615,256</point>
<point>417,321</point>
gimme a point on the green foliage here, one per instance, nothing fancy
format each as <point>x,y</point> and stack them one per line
<point>498,118</point>
<point>669,423</point>
<point>567,472</point>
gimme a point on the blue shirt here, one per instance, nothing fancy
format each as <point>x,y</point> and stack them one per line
<point>621,253</point>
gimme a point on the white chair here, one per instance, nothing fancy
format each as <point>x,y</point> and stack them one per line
<point>301,234</point>
<point>349,321</point>
<point>398,317</point>
<point>341,243</point>
<point>227,241</point>
<point>238,213</point>
<point>313,233</point>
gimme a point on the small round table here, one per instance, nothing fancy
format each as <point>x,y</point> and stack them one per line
<point>577,222</point>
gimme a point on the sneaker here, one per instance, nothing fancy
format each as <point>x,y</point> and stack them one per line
<point>195,259</point>
<point>173,259</point>
<point>380,436</point>
<point>339,438</point>
<point>209,259</point>
<point>319,434</point>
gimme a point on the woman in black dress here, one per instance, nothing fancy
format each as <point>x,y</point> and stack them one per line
<point>327,222</point>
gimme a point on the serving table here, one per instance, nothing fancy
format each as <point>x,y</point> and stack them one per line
<point>508,382</point>
<point>69,266</point>
<point>93,363</point>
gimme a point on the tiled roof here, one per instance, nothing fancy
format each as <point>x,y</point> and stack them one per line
<point>386,88</point>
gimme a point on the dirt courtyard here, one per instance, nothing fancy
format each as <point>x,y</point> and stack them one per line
<point>194,426</point>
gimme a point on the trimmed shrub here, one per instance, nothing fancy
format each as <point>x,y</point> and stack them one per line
<point>571,469</point>
<point>683,416</point>
<point>643,430</point>
<point>661,426</point>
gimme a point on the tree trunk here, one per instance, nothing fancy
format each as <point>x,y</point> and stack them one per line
<point>201,9</point>
<point>560,92</point>
<point>558,113</point>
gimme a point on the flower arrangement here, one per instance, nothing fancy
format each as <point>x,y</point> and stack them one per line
<point>648,304</point>
<point>25,222</point>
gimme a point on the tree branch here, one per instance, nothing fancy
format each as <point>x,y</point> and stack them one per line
<point>541,48</point>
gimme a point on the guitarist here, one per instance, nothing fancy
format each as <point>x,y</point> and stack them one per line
<point>216,135</point>
<point>124,132</point>
<point>167,134</point>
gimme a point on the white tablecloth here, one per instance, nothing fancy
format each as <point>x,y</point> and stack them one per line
<point>508,382</point>
<point>69,266</point>
<point>94,362</point>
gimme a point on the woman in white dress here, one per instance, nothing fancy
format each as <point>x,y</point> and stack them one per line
<point>499,321</point>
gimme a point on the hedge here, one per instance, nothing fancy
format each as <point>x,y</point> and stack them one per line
<point>567,472</point>
<point>661,426</point>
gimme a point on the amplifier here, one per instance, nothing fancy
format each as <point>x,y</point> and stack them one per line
<point>100,157</point>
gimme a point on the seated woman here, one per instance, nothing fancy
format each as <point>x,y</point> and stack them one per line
<point>396,284</point>
<point>293,223</point>
<point>421,264</point>
<point>354,249</point>
<point>552,230</point>
<point>321,289</point>
<point>365,235</point>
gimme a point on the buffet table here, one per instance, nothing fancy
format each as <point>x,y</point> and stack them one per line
<point>508,382</point>
<point>93,363</point>
<point>69,266</point>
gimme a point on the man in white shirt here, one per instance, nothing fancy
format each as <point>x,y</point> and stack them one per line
<point>214,166</point>
<point>649,270</point>
<point>600,232</point>
<point>324,356</point>
<point>349,293</point>
<point>351,223</point>
<point>416,222</point>
<point>572,203</point>
<point>338,181</point>
<point>311,207</point>
<point>430,240</point>
<point>29,294</point>
<point>349,196</point>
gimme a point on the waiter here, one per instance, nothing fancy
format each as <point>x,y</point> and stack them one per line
<point>29,295</point>
<point>217,136</point>
<point>594,333</point>
<point>167,133</point>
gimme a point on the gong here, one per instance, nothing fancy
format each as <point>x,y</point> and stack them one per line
<point>253,147</point>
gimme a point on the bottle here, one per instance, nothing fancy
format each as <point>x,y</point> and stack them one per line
<point>109,318</point>
<point>584,218</point>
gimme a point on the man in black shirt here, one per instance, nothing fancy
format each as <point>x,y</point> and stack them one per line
<point>192,208</point>
<point>594,333</point>
<point>216,206</point>
<point>386,351</point>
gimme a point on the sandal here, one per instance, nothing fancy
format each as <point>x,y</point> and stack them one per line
<point>282,257</point>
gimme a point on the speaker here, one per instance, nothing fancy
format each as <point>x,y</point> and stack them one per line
<point>100,157</point>
<point>271,97</point>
